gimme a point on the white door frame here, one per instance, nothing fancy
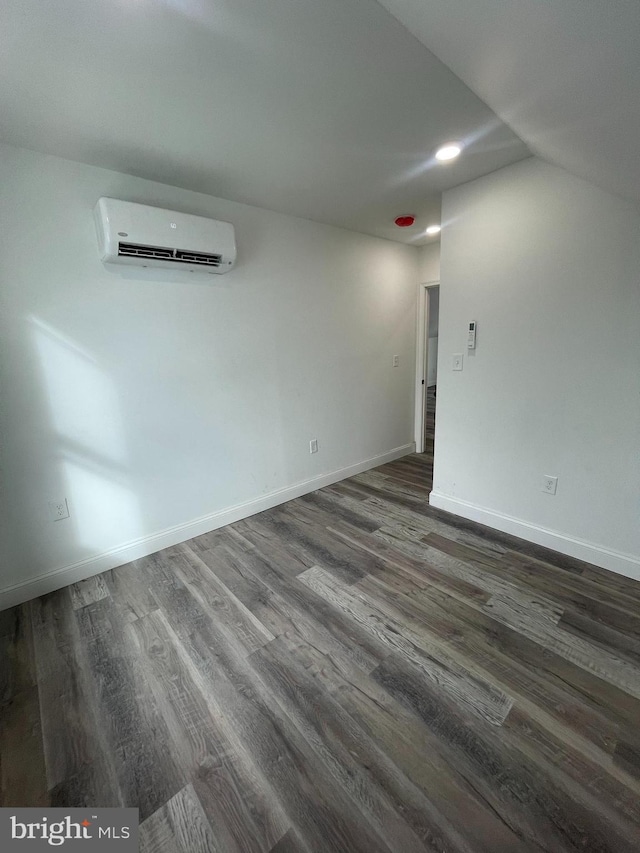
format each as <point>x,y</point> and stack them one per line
<point>421,362</point>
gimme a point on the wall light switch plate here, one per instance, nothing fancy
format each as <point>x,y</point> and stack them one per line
<point>396,361</point>
<point>457,361</point>
<point>313,445</point>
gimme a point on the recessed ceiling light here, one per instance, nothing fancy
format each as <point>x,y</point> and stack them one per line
<point>448,152</point>
<point>433,229</point>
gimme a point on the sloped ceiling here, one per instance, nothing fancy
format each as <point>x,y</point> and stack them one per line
<point>326,109</point>
<point>563,74</point>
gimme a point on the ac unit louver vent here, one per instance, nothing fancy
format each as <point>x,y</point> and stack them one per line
<point>134,250</point>
<point>199,258</point>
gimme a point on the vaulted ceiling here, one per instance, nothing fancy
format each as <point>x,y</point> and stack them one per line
<point>563,74</point>
<point>327,109</point>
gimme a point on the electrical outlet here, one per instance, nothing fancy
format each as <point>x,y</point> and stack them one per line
<point>396,361</point>
<point>58,509</point>
<point>549,484</point>
<point>313,445</point>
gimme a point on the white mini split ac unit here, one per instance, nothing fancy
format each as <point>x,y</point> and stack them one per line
<point>146,236</point>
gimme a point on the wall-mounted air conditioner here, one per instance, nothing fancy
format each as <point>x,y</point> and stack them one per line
<point>146,236</point>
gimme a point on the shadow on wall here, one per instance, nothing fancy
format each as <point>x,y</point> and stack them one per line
<point>86,452</point>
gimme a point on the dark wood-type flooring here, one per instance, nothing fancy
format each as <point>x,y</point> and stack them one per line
<point>430,420</point>
<point>351,671</point>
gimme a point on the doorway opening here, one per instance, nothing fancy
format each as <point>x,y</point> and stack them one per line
<point>427,372</point>
<point>431,369</point>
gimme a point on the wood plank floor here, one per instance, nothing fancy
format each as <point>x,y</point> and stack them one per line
<point>351,671</point>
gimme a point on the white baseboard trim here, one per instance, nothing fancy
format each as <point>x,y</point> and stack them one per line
<point>56,579</point>
<point>606,558</point>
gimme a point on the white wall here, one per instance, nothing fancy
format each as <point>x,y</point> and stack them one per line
<point>434,311</point>
<point>549,266</point>
<point>429,263</point>
<point>155,401</point>
<point>432,361</point>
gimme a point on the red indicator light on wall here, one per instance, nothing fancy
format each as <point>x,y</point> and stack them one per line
<point>405,221</point>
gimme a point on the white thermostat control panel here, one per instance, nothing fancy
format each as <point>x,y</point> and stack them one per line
<point>471,339</point>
